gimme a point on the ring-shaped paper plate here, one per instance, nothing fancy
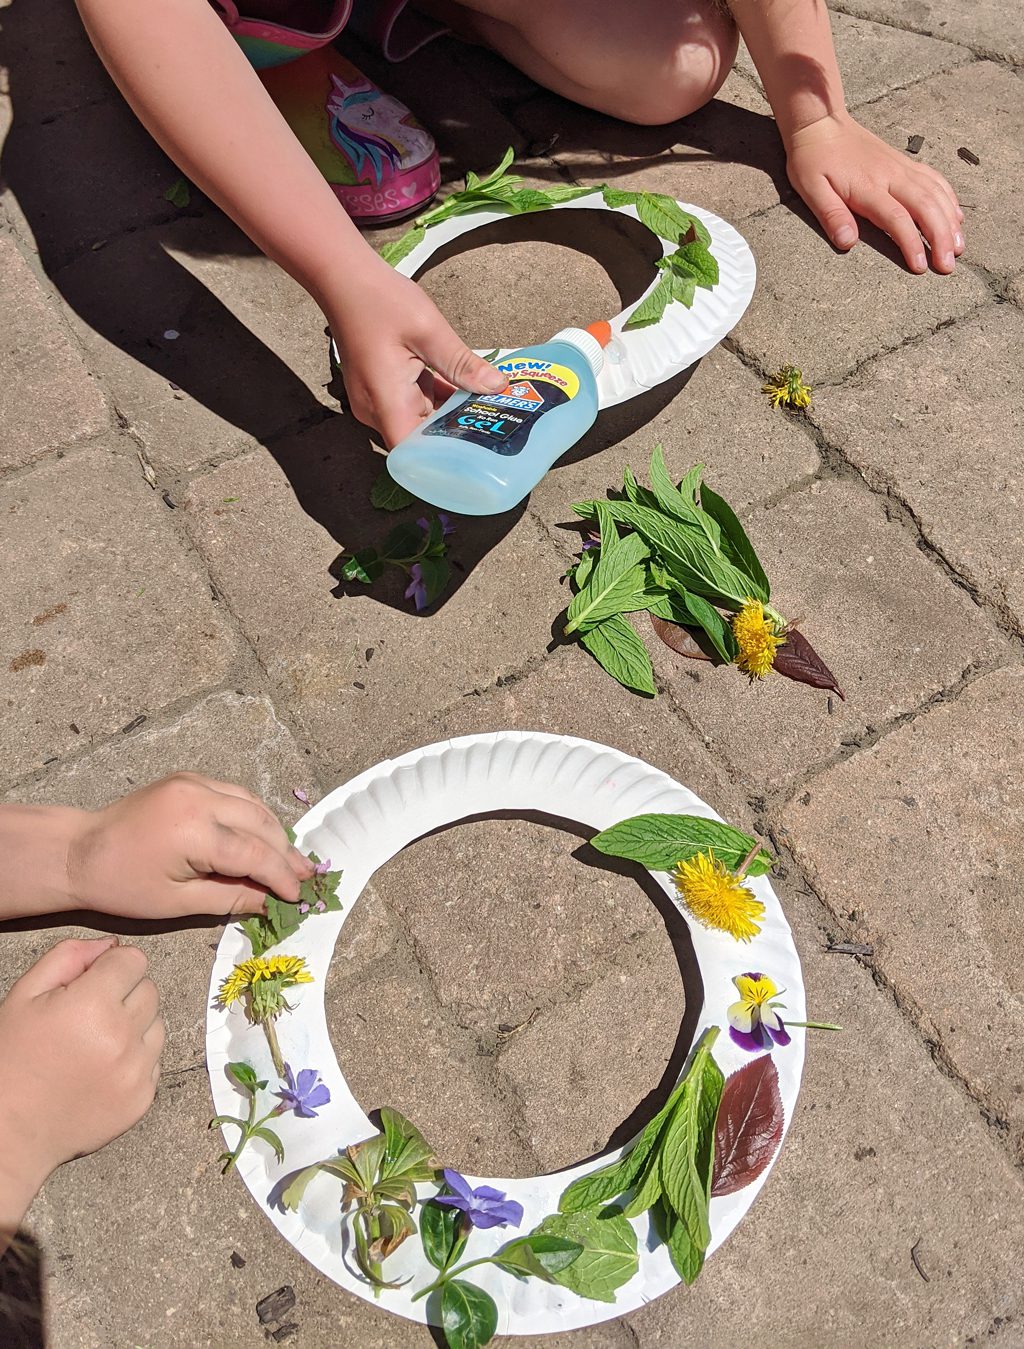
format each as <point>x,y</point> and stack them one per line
<point>360,826</point>
<point>637,359</point>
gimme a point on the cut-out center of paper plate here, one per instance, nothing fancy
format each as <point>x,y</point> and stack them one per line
<point>521,279</point>
<point>541,1019</point>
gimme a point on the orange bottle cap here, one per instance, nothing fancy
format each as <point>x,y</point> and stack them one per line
<point>601,330</point>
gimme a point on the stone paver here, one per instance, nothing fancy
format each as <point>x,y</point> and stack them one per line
<point>969,108</point>
<point>809,309</point>
<point>928,856</point>
<point>875,58</point>
<point>314,644</point>
<point>104,618</point>
<point>940,426</point>
<point>888,656</point>
<point>717,417</point>
<point>884,1153</point>
<point>727,157</point>
<point>38,357</point>
<point>250,356</point>
<point>988,26</point>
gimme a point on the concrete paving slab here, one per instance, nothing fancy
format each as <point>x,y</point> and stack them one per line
<point>876,58</point>
<point>970,108</point>
<point>928,857</point>
<point>809,308</point>
<point>354,670</point>
<point>987,27</point>
<point>939,425</point>
<point>888,658</point>
<point>105,617</point>
<point>47,397</point>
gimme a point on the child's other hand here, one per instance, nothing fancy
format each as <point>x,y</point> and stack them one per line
<point>185,845</point>
<point>841,170</point>
<point>399,357</point>
<point>80,1043</point>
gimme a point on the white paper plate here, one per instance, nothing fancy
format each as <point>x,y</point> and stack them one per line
<point>638,359</point>
<point>360,826</point>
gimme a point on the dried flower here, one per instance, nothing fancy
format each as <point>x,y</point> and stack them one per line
<point>786,388</point>
<point>484,1206</point>
<point>757,638</point>
<point>417,587</point>
<point>754,1024</point>
<point>716,897</point>
<point>305,1094</point>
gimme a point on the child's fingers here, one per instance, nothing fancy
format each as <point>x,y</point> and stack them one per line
<point>226,894</point>
<point>932,214</point>
<point>834,216</point>
<point>401,414</point>
<point>435,387</point>
<point>117,972</point>
<point>254,818</point>
<point>62,965</point>
<point>238,853</point>
<point>143,1004</point>
<point>889,215</point>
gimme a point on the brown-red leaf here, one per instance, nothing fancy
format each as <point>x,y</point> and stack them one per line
<point>680,639</point>
<point>797,659</point>
<point>749,1127</point>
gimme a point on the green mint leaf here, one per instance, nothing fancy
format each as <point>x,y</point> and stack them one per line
<point>556,195</point>
<point>676,503</point>
<point>440,1232</point>
<point>245,1075</point>
<point>615,585</point>
<point>693,262</point>
<point>648,1192</point>
<point>639,496</point>
<point>364,566</point>
<point>608,1258</point>
<point>683,288</point>
<point>538,1255</point>
<point>583,569</point>
<point>179,194</point>
<point>617,648</point>
<point>507,160</point>
<point>399,249</point>
<point>687,1258</point>
<point>469,1317</point>
<point>735,544</point>
<point>388,495</point>
<point>661,842</point>
<point>651,309</point>
<point>270,1137</point>
<point>707,617</point>
<point>686,1148</point>
<point>661,214</point>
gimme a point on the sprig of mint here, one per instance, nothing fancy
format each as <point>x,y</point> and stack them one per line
<point>318,894</point>
<point>686,558</point>
<point>690,266</point>
<point>661,842</point>
<point>669,1168</point>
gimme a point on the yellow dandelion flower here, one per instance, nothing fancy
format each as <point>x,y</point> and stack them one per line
<point>290,970</point>
<point>716,897</point>
<point>786,388</point>
<point>757,639</point>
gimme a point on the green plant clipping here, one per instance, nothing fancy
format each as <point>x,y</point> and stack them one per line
<point>609,1257</point>
<point>661,842</point>
<point>318,894</point>
<point>388,495</point>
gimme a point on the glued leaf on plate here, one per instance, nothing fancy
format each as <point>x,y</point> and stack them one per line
<point>749,1126</point>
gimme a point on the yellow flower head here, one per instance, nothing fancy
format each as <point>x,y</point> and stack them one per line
<point>786,388</point>
<point>287,970</point>
<point>716,897</point>
<point>757,639</point>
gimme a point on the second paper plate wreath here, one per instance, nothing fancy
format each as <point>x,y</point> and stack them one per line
<point>368,1203</point>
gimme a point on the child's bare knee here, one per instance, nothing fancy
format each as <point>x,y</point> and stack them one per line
<point>686,75</point>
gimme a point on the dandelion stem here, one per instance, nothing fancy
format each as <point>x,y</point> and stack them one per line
<point>270,1032</point>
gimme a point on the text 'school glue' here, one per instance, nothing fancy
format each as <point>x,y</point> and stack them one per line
<point>481,454</point>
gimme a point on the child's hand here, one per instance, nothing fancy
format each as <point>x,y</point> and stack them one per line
<point>185,845</point>
<point>80,1043</point>
<point>400,359</point>
<point>840,168</point>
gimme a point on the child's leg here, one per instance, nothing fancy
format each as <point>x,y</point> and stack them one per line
<point>648,61</point>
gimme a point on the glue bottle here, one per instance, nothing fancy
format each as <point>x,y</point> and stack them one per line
<point>481,454</point>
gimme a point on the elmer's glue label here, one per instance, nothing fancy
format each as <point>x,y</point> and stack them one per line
<point>481,454</point>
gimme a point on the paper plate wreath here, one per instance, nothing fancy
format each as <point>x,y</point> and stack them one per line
<point>483,1256</point>
<point>704,279</point>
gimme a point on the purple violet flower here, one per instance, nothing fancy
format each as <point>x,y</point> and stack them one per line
<point>303,907</point>
<point>446,525</point>
<point>417,588</point>
<point>322,868</point>
<point>320,906</point>
<point>484,1206</point>
<point>304,1094</point>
